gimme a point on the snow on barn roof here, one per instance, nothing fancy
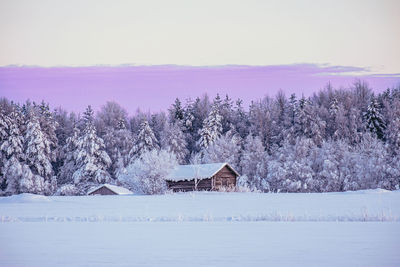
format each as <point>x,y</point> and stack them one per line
<point>116,189</point>
<point>199,171</point>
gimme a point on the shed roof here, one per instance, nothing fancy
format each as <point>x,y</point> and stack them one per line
<point>199,171</point>
<point>116,189</point>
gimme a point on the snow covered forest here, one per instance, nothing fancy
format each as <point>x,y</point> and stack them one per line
<point>335,140</point>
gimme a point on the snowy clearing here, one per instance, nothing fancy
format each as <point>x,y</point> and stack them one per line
<point>202,229</point>
<point>200,244</point>
<point>369,205</point>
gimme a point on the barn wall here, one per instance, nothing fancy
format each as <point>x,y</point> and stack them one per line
<point>103,191</point>
<point>204,184</point>
<point>224,178</point>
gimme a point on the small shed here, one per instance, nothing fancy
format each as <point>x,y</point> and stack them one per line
<point>211,176</point>
<point>108,189</point>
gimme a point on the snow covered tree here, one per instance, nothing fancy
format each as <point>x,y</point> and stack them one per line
<point>109,115</point>
<point>279,118</point>
<point>326,163</point>
<point>393,129</point>
<point>176,112</point>
<point>226,112</point>
<point>157,124</point>
<point>212,128</point>
<point>92,160</point>
<point>48,125</point>
<point>240,119</point>
<point>4,133</point>
<point>252,155</point>
<point>366,165</point>
<point>195,113</point>
<point>145,141</point>
<point>261,120</point>
<point>69,160</point>
<point>289,169</point>
<point>11,155</point>
<point>174,141</point>
<point>4,125</point>
<point>118,143</point>
<point>38,156</point>
<point>307,122</point>
<point>374,120</point>
<point>224,149</point>
<point>146,174</point>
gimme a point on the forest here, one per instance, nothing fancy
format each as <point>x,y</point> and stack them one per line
<point>338,139</point>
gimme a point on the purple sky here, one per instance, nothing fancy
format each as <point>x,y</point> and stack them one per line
<point>154,88</point>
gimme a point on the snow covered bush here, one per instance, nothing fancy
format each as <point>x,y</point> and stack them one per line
<point>146,174</point>
<point>67,190</point>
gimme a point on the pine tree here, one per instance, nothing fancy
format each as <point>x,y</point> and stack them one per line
<point>48,125</point>
<point>92,160</point>
<point>38,155</point>
<point>212,128</point>
<point>38,149</point>
<point>333,113</point>
<point>393,128</point>
<point>4,125</point>
<point>240,119</point>
<point>69,160</point>
<point>226,112</point>
<point>176,113</point>
<point>374,120</point>
<point>261,120</point>
<point>279,118</point>
<point>173,140</point>
<point>145,141</point>
<point>11,151</point>
<point>4,133</point>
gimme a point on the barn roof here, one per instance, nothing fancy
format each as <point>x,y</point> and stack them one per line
<point>199,171</point>
<point>116,189</point>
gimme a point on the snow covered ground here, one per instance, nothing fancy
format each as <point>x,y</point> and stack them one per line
<point>202,229</point>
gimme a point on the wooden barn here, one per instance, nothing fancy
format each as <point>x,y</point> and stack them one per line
<point>202,177</point>
<point>108,189</point>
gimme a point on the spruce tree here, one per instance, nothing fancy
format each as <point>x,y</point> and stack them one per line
<point>374,120</point>
<point>92,160</point>
<point>176,112</point>
<point>38,149</point>
<point>69,160</point>
<point>11,151</point>
<point>38,155</point>
<point>145,141</point>
<point>212,128</point>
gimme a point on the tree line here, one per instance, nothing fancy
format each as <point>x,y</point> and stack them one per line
<point>338,139</point>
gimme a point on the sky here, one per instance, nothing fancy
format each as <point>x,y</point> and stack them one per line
<point>360,34</point>
<point>154,88</point>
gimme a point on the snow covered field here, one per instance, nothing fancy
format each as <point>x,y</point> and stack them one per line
<point>203,229</point>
